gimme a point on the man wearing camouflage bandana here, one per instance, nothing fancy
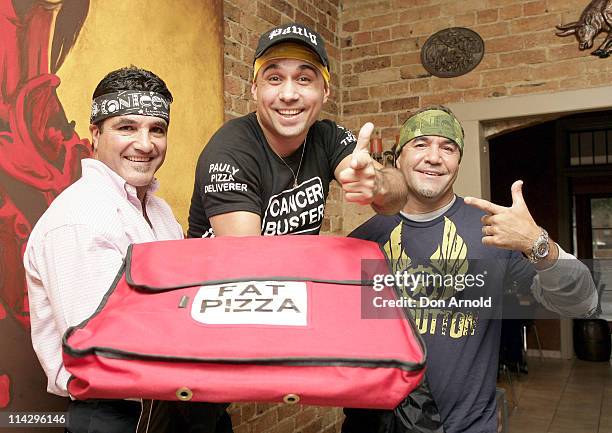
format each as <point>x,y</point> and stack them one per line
<point>434,121</point>
<point>436,231</point>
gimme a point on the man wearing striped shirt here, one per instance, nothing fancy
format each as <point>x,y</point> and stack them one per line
<point>78,245</point>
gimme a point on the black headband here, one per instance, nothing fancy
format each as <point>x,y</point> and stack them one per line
<point>130,102</point>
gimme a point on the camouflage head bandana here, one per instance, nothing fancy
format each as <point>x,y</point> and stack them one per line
<point>127,102</point>
<point>431,122</point>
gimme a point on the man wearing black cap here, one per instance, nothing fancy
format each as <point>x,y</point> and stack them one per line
<point>461,250</point>
<point>268,172</point>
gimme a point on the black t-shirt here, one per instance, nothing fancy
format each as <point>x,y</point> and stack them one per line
<point>462,343</point>
<point>238,171</point>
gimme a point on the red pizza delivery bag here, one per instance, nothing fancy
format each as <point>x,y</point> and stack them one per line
<point>265,319</point>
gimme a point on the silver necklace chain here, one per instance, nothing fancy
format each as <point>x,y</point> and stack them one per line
<point>295,174</point>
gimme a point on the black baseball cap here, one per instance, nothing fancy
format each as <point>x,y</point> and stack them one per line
<point>293,32</point>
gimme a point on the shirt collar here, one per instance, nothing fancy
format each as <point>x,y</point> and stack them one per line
<point>430,216</point>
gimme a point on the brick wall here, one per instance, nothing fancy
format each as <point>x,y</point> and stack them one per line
<point>274,418</point>
<point>383,79</point>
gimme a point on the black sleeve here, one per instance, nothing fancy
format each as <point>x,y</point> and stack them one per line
<point>228,174</point>
<point>341,143</point>
<point>371,230</point>
<point>361,232</point>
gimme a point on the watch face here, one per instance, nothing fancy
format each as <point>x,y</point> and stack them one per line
<point>542,249</point>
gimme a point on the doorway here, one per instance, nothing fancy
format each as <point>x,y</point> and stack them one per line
<point>592,233</point>
<point>586,169</point>
<point>566,166</point>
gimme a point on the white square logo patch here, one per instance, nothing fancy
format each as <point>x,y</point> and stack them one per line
<point>283,303</point>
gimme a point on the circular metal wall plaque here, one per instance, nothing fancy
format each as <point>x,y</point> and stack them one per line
<point>452,52</point>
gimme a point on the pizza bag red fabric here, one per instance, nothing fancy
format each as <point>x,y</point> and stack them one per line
<point>266,319</point>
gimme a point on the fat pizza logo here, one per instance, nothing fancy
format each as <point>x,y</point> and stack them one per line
<point>295,210</point>
<point>252,303</point>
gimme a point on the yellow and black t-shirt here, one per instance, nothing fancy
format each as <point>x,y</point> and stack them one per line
<point>456,285</point>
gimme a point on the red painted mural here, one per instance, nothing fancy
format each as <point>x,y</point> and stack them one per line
<point>39,153</point>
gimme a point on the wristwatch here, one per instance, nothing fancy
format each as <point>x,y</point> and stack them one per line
<point>540,248</point>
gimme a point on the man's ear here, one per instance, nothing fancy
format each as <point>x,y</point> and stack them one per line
<point>254,90</point>
<point>95,136</point>
<point>326,92</point>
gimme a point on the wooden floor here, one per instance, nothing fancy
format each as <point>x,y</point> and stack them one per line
<point>559,396</point>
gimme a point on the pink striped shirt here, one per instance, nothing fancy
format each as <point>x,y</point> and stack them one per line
<point>75,251</point>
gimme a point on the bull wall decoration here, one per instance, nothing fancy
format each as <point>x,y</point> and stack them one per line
<point>595,18</point>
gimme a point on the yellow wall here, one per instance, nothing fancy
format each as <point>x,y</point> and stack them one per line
<point>179,40</point>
